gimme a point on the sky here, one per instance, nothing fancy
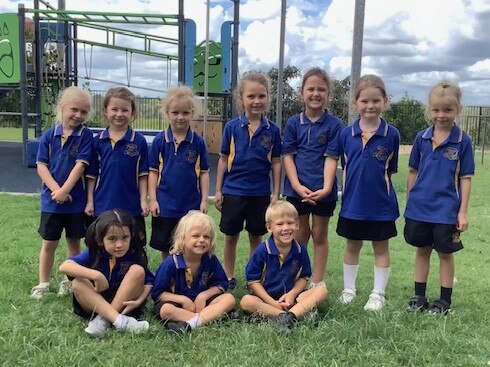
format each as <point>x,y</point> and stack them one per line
<point>411,45</point>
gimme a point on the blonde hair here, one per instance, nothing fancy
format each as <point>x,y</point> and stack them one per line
<point>445,89</point>
<point>252,76</point>
<point>192,219</point>
<point>279,209</point>
<point>124,94</point>
<point>69,94</point>
<point>370,81</point>
<point>181,93</point>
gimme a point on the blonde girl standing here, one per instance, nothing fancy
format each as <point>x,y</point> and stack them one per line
<point>250,149</point>
<point>438,187</point>
<point>64,152</point>
<point>369,151</point>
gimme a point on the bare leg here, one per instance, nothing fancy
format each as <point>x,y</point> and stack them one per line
<point>446,270</point>
<point>73,246</point>
<point>255,305</point>
<point>91,301</point>
<point>308,300</point>
<point>422,264</point>
<point>174,313</point>
<point>303,233</point>
<point>254,242</point>
<point>352,251</point>
<point>218,307</point>
<point>319,233</point>
<point>229,254</point>
<point>46,260</point>
<point>381,254</point>
<point>131,287</point>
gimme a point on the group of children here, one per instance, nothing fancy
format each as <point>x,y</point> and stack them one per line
<point>113,179</point>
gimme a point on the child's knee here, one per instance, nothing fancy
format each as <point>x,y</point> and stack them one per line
<point>166,311</point>
<point>136,272</point>
<point>248,303</point>
<point>229,300</point>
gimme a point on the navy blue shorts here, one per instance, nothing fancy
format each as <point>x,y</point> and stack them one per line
<point>369,230</point>
<point>444,238</point>
<point>52,225</point>
<point>249,209</point>
<point>162,231</point>
<point>322,208</point>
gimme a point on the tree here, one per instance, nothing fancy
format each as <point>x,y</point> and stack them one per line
<point>339,104</point>
<point>408,116</point>
<point>291,103</point>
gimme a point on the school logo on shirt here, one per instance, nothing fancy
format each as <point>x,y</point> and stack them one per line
<point>266,141</point>
<point>204,278</point>
<point>322,139</point>
<point>124,267</point>
<point>381,153</point>
<point>451,153</point>
<point>294,266</point>
<point>74,150</point>
<point>132,150</point>
<point>191,156</point>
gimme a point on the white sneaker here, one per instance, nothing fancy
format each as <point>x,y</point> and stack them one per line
<point>134,326</point>
<point>375,302</point>
<point>39,291</point>
<point>347,296</point>
<point>97,327</point>
<point>64,288</point>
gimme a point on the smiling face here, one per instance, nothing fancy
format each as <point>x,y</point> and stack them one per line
<point>443,111</point>
<point>283,229</point>
<point>119,112</point>
<point>74,112</point>
<point>197,240</point>
<point>180,114</point>
<point>370,103</point>
<point>117,240</point>
<point>314,94</point>
<point>254,99</point>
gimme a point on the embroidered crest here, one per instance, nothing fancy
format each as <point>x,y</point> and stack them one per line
<point>381,153</point>
<point>132,150</point>
<point>191,156</point>
<point>124,267</point>
<point>266,141</point>
<point>294,266</point>
<point>74,150</point>
<point>204,278</point>
<point>322,139</point>
<point>451,153</point>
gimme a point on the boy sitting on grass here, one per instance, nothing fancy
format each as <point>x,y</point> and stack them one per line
<point>278,271</point>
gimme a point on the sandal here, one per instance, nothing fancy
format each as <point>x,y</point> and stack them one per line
<point>417,303</point>
<point>440,307</point>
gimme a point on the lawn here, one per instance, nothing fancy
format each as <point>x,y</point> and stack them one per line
<point>13,134</point>
<point>46,333</point>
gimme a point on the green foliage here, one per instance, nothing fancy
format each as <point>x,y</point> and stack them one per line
<point>291,103</point>
<point>408,116</point>
<point>339,103</point>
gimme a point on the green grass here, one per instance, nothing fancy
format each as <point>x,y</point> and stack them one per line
<point>47,333</point>
<point>14,134</point>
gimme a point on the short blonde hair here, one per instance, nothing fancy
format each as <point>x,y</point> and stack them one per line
<point>279,209</point>
<point>192,219</point>
<point>68,95</point>
<point>181,93</point>
<point>445,89</point>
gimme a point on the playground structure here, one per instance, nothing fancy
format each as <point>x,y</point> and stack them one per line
<point>40,56</point>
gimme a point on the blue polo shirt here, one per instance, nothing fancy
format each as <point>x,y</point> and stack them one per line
<point>368,192</point>
<point>61,156</point>
<point>277,275</point>
<point>172,276</point>
<point>117,169</point>
<point>179,167</point>
<point>435,196</point>
<point>309,143</point>
<point>249,156</point>
<point>113,268</point>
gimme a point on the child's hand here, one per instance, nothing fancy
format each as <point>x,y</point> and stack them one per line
<point>154,208</point>
<point>200,302</point>
<point>286,301</point>
<point>89,209</point>
<point>131,306</point>
<point>60,196</point>
<point>274,198</point>
<point>275,304</point>
<point>305,193</point>
<point>100,282</point>
<point>144,208</point>
<point>218,200</point>
<point>203,207</point>
<point>462,222</point>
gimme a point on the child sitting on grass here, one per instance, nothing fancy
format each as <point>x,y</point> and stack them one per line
<point>278,272</point>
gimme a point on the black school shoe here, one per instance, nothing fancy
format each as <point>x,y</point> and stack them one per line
<point>439,307</point>
<point>417,303</point>
<point>285,321</point>
<point>178,327</point>
<point>231,285</point>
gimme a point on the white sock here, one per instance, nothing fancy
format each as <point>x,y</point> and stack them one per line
<point>381,276</point>
<point>121,320</point>
<point>350,276</point>
<point>194,322</point>
<point>44,284</point>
